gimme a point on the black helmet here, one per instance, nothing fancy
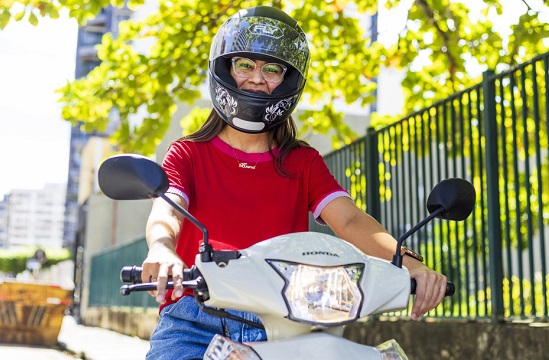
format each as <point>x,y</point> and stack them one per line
<point>263,33</point>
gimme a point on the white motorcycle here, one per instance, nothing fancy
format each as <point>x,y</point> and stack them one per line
<point>305,287</point>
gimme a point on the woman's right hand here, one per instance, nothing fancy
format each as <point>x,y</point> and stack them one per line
<point>162,261</point>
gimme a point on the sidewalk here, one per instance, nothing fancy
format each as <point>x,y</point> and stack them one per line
<point>94,343</point>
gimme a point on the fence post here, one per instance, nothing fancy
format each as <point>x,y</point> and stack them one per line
<point>373,203</point>
<point>492,194</point>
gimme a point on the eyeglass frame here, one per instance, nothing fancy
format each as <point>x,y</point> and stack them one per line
<point>284,69</point>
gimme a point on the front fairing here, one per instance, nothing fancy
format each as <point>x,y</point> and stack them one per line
<point>251,284</point>
<point>318,346</point>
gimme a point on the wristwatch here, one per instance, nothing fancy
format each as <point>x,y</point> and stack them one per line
<point>405,251</point>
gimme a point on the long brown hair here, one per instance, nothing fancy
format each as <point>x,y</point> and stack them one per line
<point>285,135</point>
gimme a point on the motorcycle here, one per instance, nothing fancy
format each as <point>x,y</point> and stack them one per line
<point>305,287</point>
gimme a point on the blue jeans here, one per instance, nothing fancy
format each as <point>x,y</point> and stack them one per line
<point>184,331</point>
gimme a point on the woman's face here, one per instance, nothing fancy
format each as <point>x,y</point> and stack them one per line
<point>256,81</point>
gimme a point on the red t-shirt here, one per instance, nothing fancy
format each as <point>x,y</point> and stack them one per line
<point>240,206</point>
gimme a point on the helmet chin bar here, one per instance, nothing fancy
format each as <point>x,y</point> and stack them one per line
<point>251,112</point>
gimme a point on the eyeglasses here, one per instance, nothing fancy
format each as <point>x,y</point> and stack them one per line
<point>245,68</point>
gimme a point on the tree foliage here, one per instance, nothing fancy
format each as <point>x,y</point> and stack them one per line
<point>437,44</point>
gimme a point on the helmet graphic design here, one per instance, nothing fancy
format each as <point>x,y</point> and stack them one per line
<point>262,33</point>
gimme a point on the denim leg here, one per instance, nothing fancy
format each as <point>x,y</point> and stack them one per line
<point>245,333</point>
<point>184,331</point>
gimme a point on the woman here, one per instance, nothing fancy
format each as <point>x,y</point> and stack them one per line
<point>247,178</point>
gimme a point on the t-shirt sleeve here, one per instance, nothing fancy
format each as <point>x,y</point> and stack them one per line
<point>323,187</point>
<point>178,166</point>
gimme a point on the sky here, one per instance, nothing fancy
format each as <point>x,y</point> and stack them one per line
<point>34,140</point>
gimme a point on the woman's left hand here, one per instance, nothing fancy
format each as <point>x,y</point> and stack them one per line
<point>430,289</point>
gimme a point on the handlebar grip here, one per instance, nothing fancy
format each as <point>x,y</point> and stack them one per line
<point>131,274</point>
<point>450,288</point>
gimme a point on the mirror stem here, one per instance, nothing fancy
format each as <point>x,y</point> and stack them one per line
<point>397,257</point>
<point>206,248</point>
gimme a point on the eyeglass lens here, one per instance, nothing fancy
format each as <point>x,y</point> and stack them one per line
<point>245,67</point>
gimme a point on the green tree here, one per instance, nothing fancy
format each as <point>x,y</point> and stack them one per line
<point>436,43</point>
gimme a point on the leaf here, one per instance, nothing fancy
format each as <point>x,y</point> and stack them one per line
<point>33,20</point>
<point>18,16</point>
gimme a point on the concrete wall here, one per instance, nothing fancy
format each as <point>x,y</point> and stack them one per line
<point>452,339</point>
<point>112,223</point>
<point>425,340</point>
<point>133,322</point>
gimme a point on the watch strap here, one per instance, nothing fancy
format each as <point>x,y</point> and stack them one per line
<point>405,251</point>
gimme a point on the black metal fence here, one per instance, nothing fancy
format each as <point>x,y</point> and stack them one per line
<point>494,134</point>
<point>105,285</point>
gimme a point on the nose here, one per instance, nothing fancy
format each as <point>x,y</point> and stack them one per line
<point>257,76</point>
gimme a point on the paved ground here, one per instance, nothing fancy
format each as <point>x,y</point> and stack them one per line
<point>93,343</point>
<point>81,342</point>
<point>25,352</point>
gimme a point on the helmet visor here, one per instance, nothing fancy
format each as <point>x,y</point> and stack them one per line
<point>262,36</point>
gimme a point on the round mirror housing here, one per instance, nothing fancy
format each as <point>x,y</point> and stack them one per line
<point>456,196</point>
<point>131,177</point>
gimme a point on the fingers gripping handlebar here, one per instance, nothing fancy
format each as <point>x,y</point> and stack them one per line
<point>450,288</point>
<point>132,274</point>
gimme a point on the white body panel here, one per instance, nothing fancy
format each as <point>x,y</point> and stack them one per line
<point>251,284</point>
<point>318,346</point>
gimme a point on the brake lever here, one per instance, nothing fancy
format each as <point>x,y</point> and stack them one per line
<point>151,286</point>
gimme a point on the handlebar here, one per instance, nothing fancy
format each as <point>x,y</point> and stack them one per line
<point>450,288</point>
<point>132,274</point>
<point>127,289</point>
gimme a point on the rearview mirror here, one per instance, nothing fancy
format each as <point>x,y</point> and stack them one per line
<point>456,196</point>
<point>131,177</point>
<point>450,199</point>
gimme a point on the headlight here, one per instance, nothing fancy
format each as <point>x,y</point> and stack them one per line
<point>326,296</point>
<point>221,348</point>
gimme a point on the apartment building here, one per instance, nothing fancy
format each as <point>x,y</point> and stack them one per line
<point>33,217</point>
<point>4,222</point>
<point>89,36</point>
